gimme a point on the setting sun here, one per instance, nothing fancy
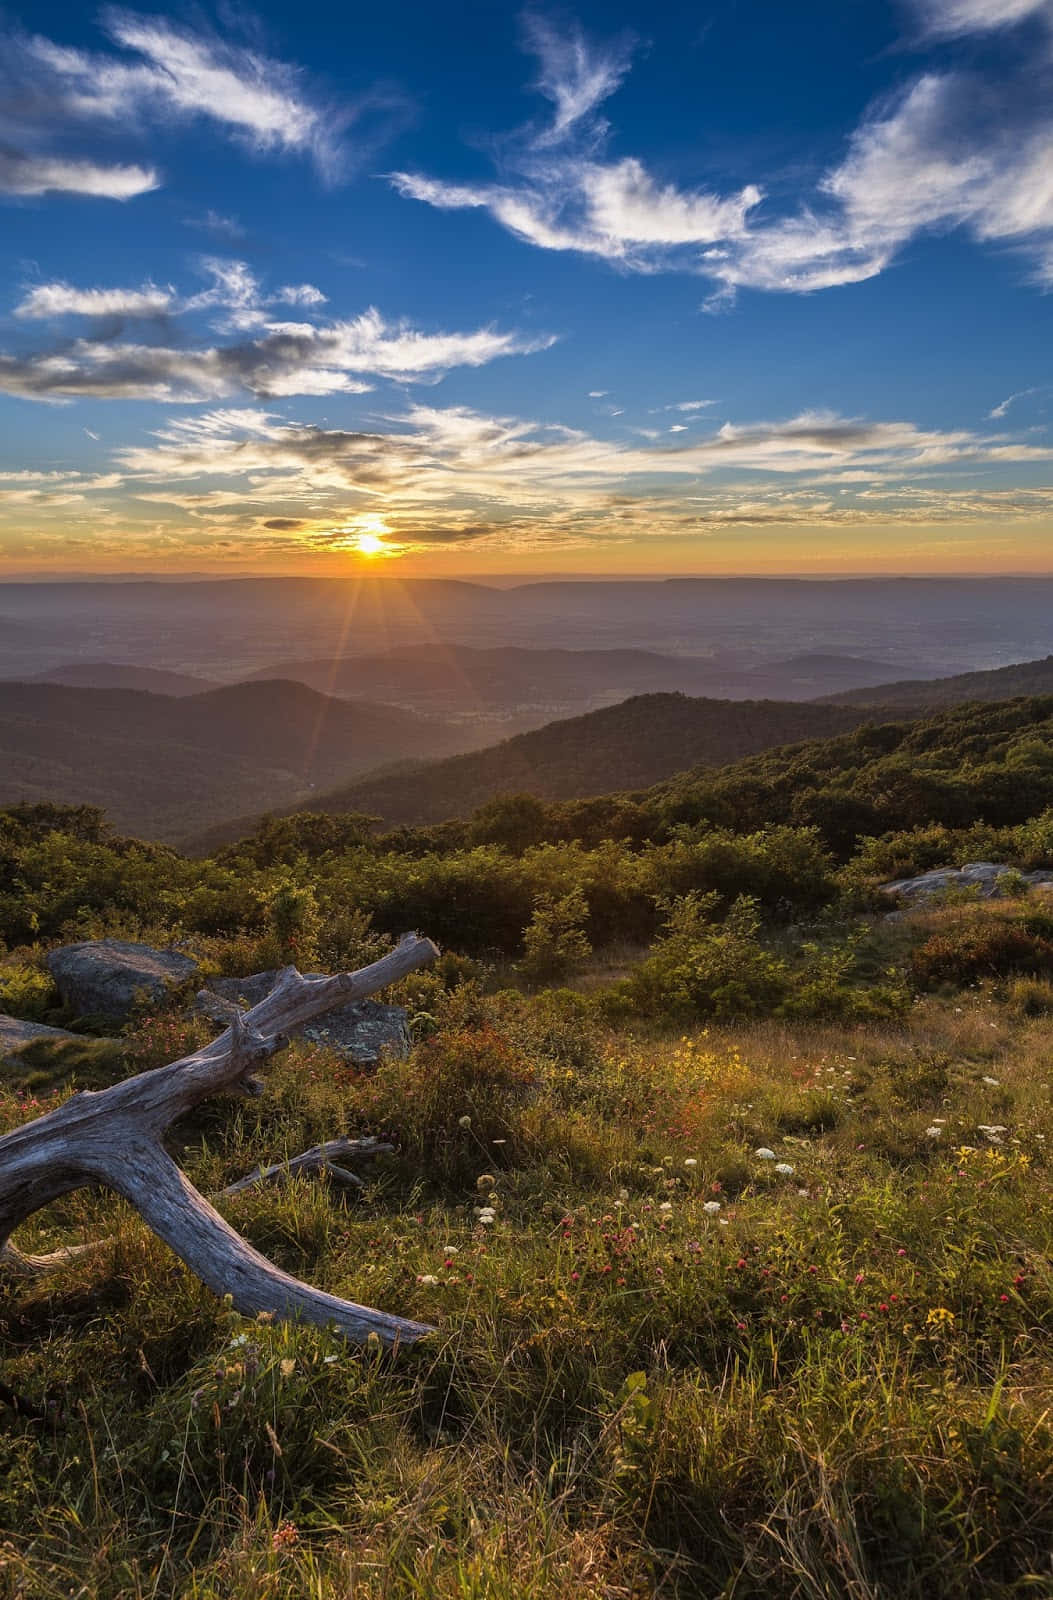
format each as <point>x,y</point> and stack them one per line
<point>369,544</point>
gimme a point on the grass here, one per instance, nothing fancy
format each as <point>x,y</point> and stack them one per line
<point>837,1384</point>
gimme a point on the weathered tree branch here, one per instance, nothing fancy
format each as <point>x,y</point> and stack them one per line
<point>318,1159</point>
<point>113,1137</point>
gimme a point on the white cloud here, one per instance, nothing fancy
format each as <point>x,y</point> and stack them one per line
<point>953,149</point>
<point>22,173</point>
<point>160,71</point>
<point>279,359</point>
<point>564,196</point>
<point>168,70</point>
<point>451,476</point>
<point>1000,410</point>
<point>574,75</point>
<point>953,18</point>
<point>62,300</point>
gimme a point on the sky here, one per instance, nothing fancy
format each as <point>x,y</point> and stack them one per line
<point>748,287</point>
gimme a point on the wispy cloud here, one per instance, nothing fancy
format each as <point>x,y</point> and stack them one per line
<point>1000,410</point>
<point>157,71</point>
<point>452,475</point>
<point>563,194</point>
<point>952,149</point>
<point>266,356</point>
<point>25,173</point>
<point>948,19</point>
<point>62,300</point>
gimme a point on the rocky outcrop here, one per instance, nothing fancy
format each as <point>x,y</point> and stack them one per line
<point>111,978</point>
<point>985,878</point>
<point>15,1035</point>
<point>363,1033</point>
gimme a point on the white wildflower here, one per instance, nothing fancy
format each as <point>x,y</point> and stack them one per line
<point>690,1162</point>
<point>427,1278</point>
<point>784,1169</point>
<point>934,1132</point>
<point>992,1083</point>
<point>665,1207</point>
<point>764,1154</point>
<point>711,1207</point>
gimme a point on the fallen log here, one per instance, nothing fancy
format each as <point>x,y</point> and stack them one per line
<point>113,1137</point>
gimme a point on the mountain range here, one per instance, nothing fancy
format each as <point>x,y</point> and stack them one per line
<point>161,766</point>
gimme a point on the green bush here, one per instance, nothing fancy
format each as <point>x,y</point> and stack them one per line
<point>555,944</point>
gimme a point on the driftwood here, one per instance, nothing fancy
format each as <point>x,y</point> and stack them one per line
<point>113,1137</point>
<point>319,1159</point>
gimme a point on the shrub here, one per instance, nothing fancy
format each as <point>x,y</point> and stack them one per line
<point>26,991</point>
<point>554,943</point>
<point>984,950</point>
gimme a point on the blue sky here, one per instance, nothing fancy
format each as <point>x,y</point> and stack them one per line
<point>746,287</point>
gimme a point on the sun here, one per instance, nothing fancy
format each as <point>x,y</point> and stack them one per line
<point>369,544</point>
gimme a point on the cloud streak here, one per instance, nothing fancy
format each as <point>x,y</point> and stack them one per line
<point>27,174</point>
<point>158,72</point>
<point>953,149</point>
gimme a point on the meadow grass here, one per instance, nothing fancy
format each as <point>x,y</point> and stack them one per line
<point>667,1365</point>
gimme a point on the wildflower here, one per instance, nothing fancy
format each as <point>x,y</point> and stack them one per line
<point>992,1083</point>
<point>485,1180</point>
<point>665,1207</point>
<point>450,1249</point>
<point>330,1361</point>
<point>690,1162</point>
<point>784,1169</point>
<point>934,1132</point>
<point>464,1122</point>
<point>287,1367</point>
<point>711,1207</point>
<point>486,1215</point>
<point>764,1154</point>
<point>939,1317</point>
<point>427,1278</point>
<point>284,1535</point>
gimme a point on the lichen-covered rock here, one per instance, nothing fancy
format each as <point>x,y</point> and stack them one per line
<point>363,1033</point>
<point>986,878</point>
<point>15,1035</point>
<point>111,978</point>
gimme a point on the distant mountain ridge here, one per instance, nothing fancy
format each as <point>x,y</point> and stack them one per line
<point>520,681</point>
<point>1023,678</point>
<point>123,675</point>
<point>634,745</point>
<point>159,764</point>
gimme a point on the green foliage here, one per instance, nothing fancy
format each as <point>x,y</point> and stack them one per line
<point>554,943</point>
<point>295,924</point>
<point>26,991</point>
<point>991,947</point>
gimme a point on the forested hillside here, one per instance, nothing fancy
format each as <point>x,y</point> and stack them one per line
<point>628,746</point>
<point>1000,683</point>
<point>159,764</point>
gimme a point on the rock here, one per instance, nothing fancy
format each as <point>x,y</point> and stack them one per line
<point>15,1035</point>
<point>982,877</point>
<point>362,1033</point>
<point>110,978</point>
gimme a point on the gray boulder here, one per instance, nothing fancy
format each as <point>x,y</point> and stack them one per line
<point>984,878</point>
<point>110,978</point>
<point>15,1035</point>
<point>363,1033</point>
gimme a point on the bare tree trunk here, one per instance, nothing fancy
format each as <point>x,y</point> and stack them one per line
<point>113,1137</point>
